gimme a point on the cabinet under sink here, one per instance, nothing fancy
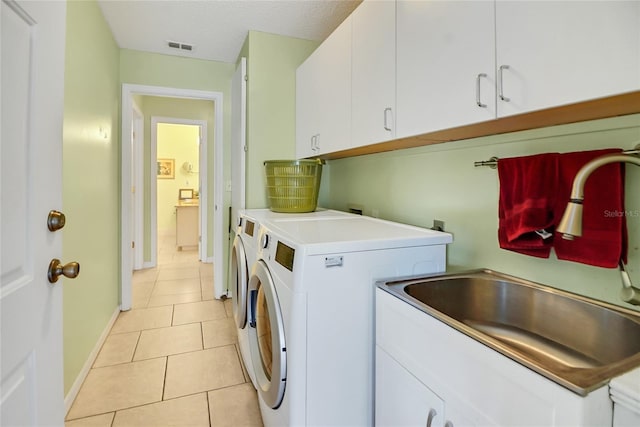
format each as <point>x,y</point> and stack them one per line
<point>430,374</point>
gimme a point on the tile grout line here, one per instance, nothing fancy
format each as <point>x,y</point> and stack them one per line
<point>164,382</point>
<point>135,348</point>
<point>202,334</point>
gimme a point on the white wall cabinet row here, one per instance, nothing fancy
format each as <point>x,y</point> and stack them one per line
<point>396,69</point>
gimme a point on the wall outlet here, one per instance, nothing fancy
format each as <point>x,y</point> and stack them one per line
<point>355,209</point>
<point>438,225</point>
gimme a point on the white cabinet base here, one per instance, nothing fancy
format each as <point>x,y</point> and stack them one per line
<point>478,385</point>
<point>187,226</point>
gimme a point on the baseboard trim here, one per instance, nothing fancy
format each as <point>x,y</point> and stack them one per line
<point>75,389</point>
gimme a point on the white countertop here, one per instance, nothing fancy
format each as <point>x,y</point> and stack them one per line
<point>625,390</point>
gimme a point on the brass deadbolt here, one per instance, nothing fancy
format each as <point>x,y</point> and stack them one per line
<point>55,220</point>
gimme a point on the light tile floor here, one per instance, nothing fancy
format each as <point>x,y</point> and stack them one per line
<point>173,360</point>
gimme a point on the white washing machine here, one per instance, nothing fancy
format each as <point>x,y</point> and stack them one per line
<point>243,256</point>
<point>311,313</point>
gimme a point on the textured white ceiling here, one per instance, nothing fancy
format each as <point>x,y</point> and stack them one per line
<point>217,28</point>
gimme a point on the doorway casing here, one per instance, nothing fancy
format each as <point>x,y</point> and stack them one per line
<point>126,267</point>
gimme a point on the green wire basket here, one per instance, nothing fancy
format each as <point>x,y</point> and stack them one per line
<point>293,185</point>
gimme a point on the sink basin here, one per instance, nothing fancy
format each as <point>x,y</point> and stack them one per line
<point>578,342</point>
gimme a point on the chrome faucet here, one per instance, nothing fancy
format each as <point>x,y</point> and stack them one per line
<point>571,223</point>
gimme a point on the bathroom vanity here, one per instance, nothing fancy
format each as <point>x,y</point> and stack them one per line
<point>187,223</point>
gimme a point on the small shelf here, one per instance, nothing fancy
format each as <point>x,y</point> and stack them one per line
<point>602,108</point>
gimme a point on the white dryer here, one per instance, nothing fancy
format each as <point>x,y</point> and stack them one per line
<point>242,257</point>
<point>311,313</point>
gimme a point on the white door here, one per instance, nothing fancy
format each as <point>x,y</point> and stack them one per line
<point>33,37</point>
<point>238,139</point>
<point>137,178</point>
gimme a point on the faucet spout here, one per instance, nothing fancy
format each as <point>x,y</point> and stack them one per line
<point>571,223</point>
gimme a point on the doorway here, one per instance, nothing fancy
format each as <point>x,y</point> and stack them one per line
<point>215,203</point>
<point>179,191</point>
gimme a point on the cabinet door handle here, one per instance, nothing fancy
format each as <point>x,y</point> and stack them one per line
<point>500,86</point>
<point>478,100</point>
<point>387,111</point>
<point>314,143</point>
<point>431,416</point>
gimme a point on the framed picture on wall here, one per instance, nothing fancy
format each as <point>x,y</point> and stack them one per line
<point>166,169</point>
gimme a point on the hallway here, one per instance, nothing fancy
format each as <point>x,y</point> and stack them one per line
<point>173,360</point>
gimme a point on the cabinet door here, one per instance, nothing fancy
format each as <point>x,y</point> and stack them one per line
<point>445,50</point>
<point>563,52</point>
<point>373,72</point>
<point>334,91</point>
<point>306,107</point>
<point>323,96</point>
<point>402,400</point>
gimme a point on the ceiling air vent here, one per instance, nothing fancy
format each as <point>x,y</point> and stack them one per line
<point>178,45</point>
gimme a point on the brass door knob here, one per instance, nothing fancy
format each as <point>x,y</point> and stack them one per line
<point>55,220</point>
<point>56,269</point>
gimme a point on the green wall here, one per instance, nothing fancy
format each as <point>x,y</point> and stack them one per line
<point>178,109</point>
<point>180,143</point>
<point>91,190</point>
<point>419,185</point>
<point>271,104</point>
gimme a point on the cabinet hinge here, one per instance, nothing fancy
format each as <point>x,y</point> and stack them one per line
<point>133,245</point>
<point>246,78</point>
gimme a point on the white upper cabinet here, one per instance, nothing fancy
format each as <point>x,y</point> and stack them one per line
<point>307,110</point>
<point>445,64</point>
<point>323,96</point>
<point>563,52</point>
<point>396,69</point>
<point>373,61</point>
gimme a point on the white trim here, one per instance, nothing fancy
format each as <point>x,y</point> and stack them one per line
<point>75,388</point>
<point>218,224</point>
<point>203,177</point>
<point>203,187</point>
<point>147,265</point>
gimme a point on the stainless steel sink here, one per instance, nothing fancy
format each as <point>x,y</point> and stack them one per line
<point>578,342</point>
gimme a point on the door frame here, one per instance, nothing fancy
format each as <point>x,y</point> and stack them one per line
<point>126,268</point>
<point>202,184</point>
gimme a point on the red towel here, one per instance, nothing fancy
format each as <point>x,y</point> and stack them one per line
<point>527,203</point>
<point>604,227</point>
